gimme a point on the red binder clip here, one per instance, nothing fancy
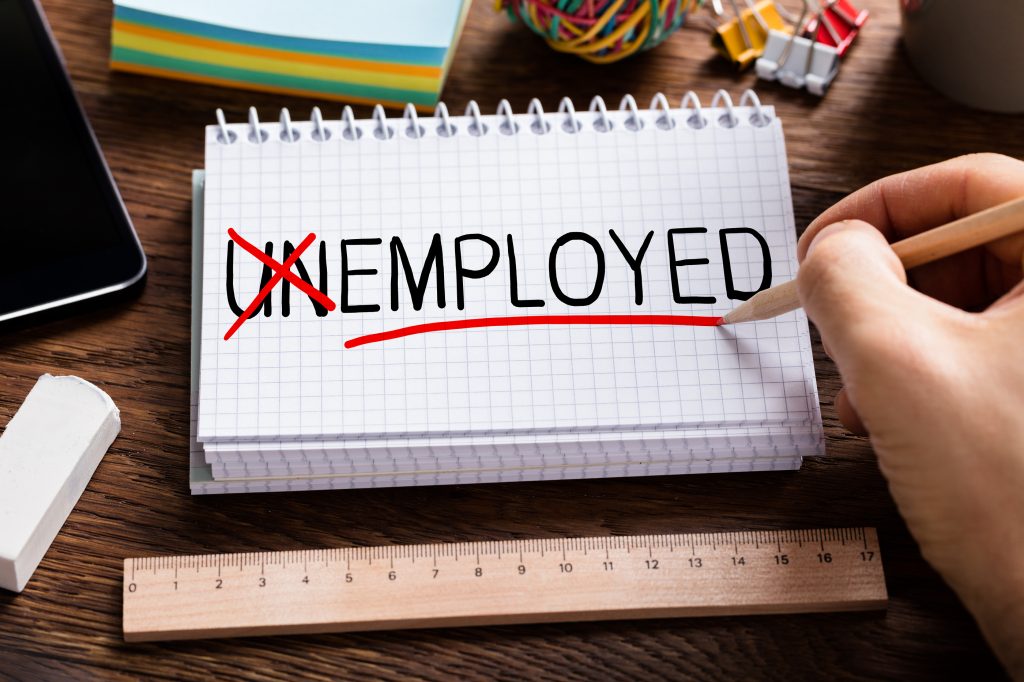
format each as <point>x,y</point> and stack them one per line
<point>837,25</point>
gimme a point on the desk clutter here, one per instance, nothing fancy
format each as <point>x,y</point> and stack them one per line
<point>809,56</point>
<point>391,52</point>
<point>485,298</point>
<point>800,51</point>
<point>400,52</point>
<point>604,31</point>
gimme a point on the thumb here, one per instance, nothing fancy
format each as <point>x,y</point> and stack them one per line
<point>853,286</point>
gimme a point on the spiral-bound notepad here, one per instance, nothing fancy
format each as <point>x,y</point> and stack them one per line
<point>449,299</point>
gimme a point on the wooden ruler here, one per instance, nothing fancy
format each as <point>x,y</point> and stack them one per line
<point>515,581</point>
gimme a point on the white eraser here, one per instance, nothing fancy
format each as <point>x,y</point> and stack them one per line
<point>48,453</point>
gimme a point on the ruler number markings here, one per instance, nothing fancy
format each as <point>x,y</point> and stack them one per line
<point>567,565</point>
<point>527,572</point>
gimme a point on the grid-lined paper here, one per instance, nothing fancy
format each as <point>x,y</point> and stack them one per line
<point>746,449</point>
<point>291,378</point>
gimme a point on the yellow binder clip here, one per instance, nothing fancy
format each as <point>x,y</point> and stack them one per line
<point>742,39</point>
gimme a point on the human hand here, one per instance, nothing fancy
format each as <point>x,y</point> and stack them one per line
<point>934,374</point>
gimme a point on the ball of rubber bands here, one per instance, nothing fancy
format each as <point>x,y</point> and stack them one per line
<point>600,31</point>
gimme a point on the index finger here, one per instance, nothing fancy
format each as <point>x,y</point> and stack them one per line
<point>907,203</point>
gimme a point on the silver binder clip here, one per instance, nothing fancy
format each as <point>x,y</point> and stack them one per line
<point>798,60</point>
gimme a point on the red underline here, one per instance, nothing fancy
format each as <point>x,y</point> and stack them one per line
<point>522,320</point>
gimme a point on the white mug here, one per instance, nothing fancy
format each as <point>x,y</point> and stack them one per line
<point>970,50</point>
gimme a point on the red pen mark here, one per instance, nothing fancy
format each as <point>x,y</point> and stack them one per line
<point>281,271</point>
<point>522,320</point>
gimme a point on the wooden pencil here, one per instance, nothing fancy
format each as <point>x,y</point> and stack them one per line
<point>959,235</point>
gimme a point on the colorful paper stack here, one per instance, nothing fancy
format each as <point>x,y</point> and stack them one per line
<point>352,50</point>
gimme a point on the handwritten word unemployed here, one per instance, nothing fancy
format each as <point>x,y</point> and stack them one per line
<point>404,278</point>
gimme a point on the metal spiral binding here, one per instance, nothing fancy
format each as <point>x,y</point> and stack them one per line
<point>690,114</point>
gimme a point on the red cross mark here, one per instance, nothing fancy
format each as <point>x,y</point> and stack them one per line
<point>281,271</point>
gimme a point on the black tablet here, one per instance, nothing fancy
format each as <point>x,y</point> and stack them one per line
<point>66,235</point>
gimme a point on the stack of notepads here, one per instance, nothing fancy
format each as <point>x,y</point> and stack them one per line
<point>354,50</point>
<point>482,298</point>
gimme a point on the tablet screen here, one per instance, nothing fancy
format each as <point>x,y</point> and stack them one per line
<point>64,229</point>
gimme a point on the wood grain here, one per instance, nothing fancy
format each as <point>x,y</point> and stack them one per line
<point>878,119</point>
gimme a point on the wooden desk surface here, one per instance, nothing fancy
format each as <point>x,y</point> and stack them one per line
<point>879,118</point>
